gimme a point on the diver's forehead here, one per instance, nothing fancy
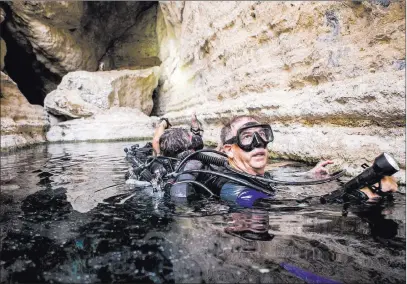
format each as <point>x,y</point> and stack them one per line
<point>240,123</point>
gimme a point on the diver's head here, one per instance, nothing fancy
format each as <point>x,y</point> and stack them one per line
<point>177,140</point>
<point>245,142</point>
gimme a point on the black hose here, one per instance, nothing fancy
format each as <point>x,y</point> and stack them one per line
<point>168,158</point>
<point>203,157</point>
<point>211,159</point>
<point>279,182</point>
<point>196,183</point>
<point>243,182</point>
<point>222,162</point>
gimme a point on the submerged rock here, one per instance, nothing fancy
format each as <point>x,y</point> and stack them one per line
<point>21,123</point>
<point>82,93</point>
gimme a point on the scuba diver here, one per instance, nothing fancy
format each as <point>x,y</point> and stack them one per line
<point>238,175</point>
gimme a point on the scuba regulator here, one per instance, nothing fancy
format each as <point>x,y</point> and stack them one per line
<point>383,165</point>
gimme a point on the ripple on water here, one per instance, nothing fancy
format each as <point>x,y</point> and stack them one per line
<point>61,221</point>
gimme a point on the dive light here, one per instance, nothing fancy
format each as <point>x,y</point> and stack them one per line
<point>383,165</point>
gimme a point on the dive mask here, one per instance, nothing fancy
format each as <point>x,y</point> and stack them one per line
<point>252,135</point>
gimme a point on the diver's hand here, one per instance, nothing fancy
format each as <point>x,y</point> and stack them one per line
<point>163,123</point>
<point>320,169</point>
<point>389,184</point>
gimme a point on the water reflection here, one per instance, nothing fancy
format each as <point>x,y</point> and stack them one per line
<point>63,220</point>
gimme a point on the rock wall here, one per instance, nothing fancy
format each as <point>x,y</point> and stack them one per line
<point>328,76</point>
<point>82,94</point>
<point>3,47</point>
<point>47,40</point>
<point>65,36</point>
<point>21,123</point>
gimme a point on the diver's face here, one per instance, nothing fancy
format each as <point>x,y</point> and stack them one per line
<point>253,162</point>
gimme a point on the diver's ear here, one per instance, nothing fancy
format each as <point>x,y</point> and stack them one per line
<point>227,148</point>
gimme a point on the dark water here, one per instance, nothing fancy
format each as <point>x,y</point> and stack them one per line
<point>64,219</point>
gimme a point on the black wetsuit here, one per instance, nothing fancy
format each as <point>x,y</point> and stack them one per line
<point>228,190</point>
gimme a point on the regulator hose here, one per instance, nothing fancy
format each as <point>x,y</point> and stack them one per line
<point>223,162</point>
<point>204,158</point>
<point>211,159</point>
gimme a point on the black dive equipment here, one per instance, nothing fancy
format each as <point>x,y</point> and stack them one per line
<point>383,165</point>
<point>267,181</point>
<point>252,135</point>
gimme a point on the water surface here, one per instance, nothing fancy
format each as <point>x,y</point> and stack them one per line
<point>62,221</point>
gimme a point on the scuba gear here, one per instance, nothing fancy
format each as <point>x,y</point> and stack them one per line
<point>204,158</point>
<point>223,162</point>
<point>196,183</point>
<point>196,131</point>
<point>383,165</point>
<point>196,142</point>
<point>252,135</point>
<point>161,169</point>
<point>136,155</point>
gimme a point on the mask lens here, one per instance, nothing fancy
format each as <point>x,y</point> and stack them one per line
<point>246,135</point>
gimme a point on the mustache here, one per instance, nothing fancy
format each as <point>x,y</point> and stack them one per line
<point>258,152</point>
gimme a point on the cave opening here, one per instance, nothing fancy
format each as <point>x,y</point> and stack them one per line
<point>33,79</point>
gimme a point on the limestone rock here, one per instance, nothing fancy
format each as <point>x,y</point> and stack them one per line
<point>117,123</point>
<point>3,47</point>
<point>66,36</point>
<point>21,123</point>
<point>307,68</point>
<point>137,47</point>
<point>82,93</point>
<point>3,51</point>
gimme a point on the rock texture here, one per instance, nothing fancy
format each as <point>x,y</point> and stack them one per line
<point>116,123</point>
<point>82,94</point>
<point>21,123</point>
<point>3,47</point>
<point>328,76</point>
<point>67,36</point>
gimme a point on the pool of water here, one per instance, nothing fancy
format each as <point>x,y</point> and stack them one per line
<point>63,220</point>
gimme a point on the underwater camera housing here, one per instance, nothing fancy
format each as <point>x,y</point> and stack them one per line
<point>383,165</point>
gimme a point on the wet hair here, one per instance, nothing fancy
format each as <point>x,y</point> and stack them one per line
<point>177,140</point>
<point>226,131</point>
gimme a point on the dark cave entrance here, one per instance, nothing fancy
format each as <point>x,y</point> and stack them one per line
<point>23,68</point>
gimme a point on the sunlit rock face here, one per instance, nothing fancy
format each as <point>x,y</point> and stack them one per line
<point>82,93</point>
<point>60,37</point>
<point>21,123</point>
<point>328,76</point>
